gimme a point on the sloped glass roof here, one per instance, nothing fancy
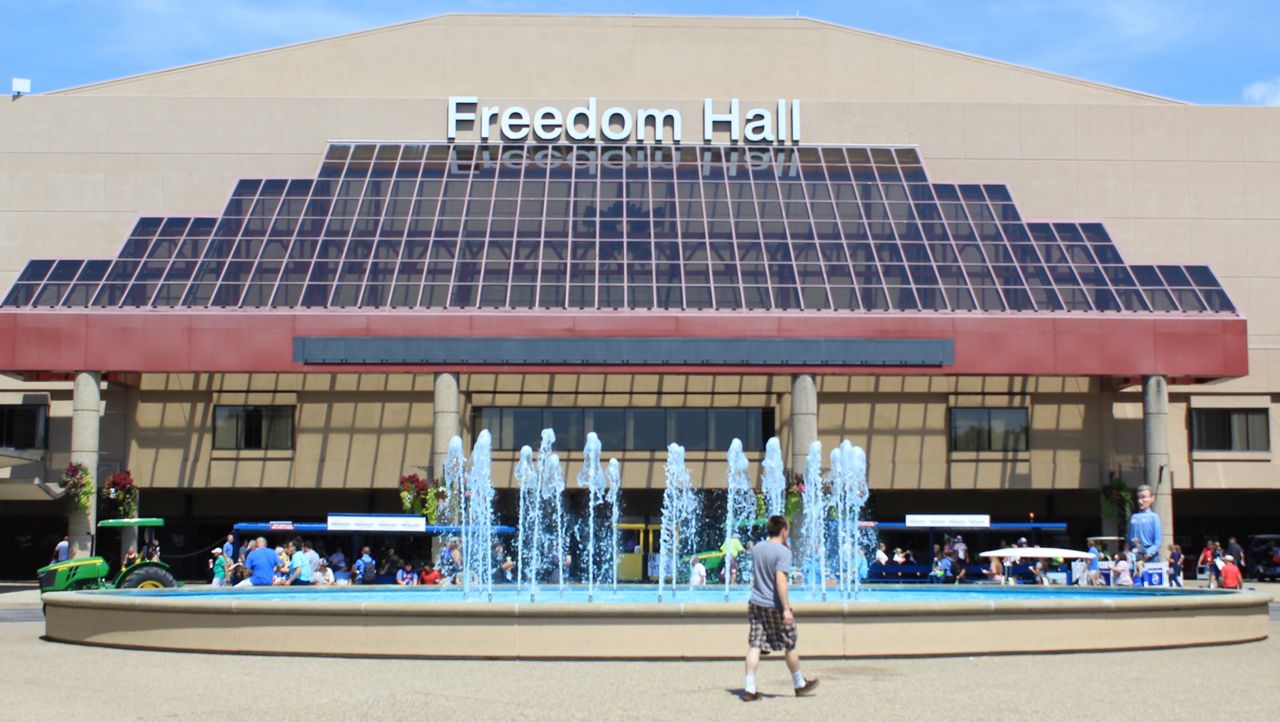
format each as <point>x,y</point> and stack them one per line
<point>467,226</point>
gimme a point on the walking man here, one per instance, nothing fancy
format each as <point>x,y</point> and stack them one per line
<point>773,625</point>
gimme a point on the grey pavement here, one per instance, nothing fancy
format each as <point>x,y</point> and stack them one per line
<point>47,680</point>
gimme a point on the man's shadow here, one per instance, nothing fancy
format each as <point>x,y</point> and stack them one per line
<point>739,692</point>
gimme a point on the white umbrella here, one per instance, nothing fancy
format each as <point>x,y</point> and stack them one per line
<point>1037,553</point>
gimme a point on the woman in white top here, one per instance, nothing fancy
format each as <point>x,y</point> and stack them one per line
<point>324,575</point>
<point>1121,574</point>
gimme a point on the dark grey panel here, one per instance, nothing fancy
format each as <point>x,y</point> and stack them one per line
<point>624,351</point>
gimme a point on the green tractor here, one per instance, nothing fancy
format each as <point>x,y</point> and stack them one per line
<point>95,573</point>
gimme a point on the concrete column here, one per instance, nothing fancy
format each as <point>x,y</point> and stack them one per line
<point>1155,433</point>
<point>804,419</point>
<point>1107,429</point>
<point>448,410</point>
<point>85,405</point>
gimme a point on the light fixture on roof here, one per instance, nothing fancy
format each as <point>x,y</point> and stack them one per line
<point>20,86</point>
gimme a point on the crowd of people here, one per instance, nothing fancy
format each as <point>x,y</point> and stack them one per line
<point>1222,565</point>
<point>299,563</point>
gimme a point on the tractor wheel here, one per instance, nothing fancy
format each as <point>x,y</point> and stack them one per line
<point>148,578</point>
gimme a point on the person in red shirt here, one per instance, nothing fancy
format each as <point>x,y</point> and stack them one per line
<point>1207,563</point>
<point>429,574</point>
<point>1230,573</point>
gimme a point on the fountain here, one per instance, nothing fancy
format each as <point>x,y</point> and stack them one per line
<point>848,482</point>
<point>625,623</point>
<point>454,468</point>
<point>679,518</point>
<point>542,506</point>
<point>477,520</point>
<point>814,528</point>
<point>740,506</point>
<point>773,479</point>
<point>526,482</point>
<point>599,492</point>
<point>553,492</point>
<point>613,478</point>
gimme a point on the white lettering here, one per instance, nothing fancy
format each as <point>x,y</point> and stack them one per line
<point>547,123</point>
<point>515,123</point>
<point>659,118</point>
<point>456,114</point>
<point>571,121</point>
<point>487,114</point>
<point>624,121</point>
<point>710,118</point>
<point>759,125</point>
<point>770,124</point>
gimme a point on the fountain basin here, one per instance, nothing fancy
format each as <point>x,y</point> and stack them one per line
<point>431,623</point>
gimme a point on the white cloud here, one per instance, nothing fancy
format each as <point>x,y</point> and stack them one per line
<point>1263,92</point>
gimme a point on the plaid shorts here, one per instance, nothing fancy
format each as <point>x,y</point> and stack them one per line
<point>768,632</point>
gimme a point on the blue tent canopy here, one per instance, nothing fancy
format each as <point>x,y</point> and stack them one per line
<point>359,524</point>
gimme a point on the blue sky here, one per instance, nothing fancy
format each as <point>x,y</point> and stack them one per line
<point>1199,51</point>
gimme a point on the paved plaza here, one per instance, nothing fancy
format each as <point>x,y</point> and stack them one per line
<point>58,681</point>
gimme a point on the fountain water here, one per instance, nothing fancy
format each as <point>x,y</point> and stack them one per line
<point>814,529</point>
<point>595,481</point>
<point>864,537</point>
<point>542,515</point>
<point>477,520</point>
<point>848,481</point>
<point>455,463</point>
<point>740,507</point>
<point>553,492</point>
<point>541,512</point>
<point>679,518</point>
<point>526,481</point>
<point>613,477</point>
<point>773,482</point>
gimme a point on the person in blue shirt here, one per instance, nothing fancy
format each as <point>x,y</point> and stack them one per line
<point>261,563</point>
<point>229,549</point>
<point>299,565</point>
<point>365,562</point>
<point>1094,569</point>
<point>1144,525</point>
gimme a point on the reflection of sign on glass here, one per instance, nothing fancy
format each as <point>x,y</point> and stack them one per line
<point>378,522</point>
<point>950,521</point>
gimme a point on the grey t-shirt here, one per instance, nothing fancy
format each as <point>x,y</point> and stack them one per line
<point>768,558</point>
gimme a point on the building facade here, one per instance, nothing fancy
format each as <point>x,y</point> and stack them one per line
<point>279,281</point>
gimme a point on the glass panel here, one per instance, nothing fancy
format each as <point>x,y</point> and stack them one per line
<point>226,424</point>
<point>23,426</point>
<point>1231,430</point>
<point>568,425</point>
<point>611,426</point>
<point>989,429</point>
<point>1008,429</point>
<point>647,429</point>
<point>968,430</point>
<point>688,427</point>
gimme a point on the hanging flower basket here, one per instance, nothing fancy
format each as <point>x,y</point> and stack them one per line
<point>78,483</point>
<point>121,492</point>
<point>420,496</point>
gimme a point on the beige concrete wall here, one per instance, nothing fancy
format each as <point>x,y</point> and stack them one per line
<point>442,628</point>
<point>351,431</point>
<point>641,57</point>
<point>1174,183</point>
